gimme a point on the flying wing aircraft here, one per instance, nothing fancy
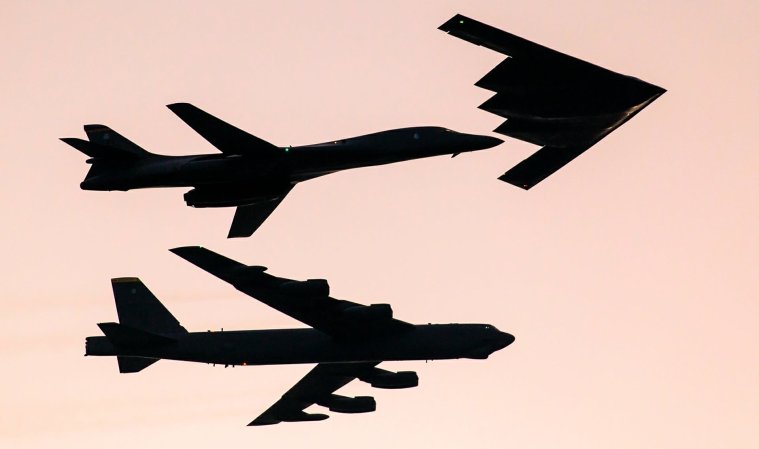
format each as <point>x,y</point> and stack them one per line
<point>251,174</point>
<point>345,339</point>
<point>550,99</point>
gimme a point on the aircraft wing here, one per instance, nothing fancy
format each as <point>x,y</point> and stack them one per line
<point>317,387</point>
<point>550,99</point>
<point>227,138</point>
<point>306,301</point>
<point>250,217</point>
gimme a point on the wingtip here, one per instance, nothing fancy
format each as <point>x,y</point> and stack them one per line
<point>178,106</point>
<point>256,423</point>
<point>451,23</point>
<point>180,250</point>
<point>509,180</point>
<point>236,234</point>
<point>124,280</point>
<point>94,127</point>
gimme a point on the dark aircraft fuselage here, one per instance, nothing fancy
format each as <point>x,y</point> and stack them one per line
<point>290,346</point>
<point>267,175</point>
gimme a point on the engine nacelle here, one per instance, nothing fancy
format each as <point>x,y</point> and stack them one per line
<point>311,288</point>
<point>345,404</point>
<point>370,313</point>
<point>380,378</point>
<point>211,196</point>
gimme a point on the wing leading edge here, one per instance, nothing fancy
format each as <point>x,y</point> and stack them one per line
<point>306,301</point>
<point>550,99</point>
<point>227,138</point>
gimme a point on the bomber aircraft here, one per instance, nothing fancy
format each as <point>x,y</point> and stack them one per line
<point>550,99</point>
<point>346,340</point>
<point>559,102</point>
<point>252,174</point>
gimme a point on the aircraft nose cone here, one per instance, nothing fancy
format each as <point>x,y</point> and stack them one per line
<point>504,340</point>
<point>483,142</point>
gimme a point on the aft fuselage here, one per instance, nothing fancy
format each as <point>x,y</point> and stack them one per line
<point>293,346</point>
<point>271,174</point>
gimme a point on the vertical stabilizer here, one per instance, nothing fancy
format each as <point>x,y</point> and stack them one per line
<point>105,136</point>
<point>140,309</point>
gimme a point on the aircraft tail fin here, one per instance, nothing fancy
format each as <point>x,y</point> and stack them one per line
<point>145,325</point>
<point>139,309</point>
<point>106,144</point>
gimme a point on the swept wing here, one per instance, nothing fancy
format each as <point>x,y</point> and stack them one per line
<point>227,138</point>
<point>250,217</point>
<point>317,387</point>
<point>306,301</point>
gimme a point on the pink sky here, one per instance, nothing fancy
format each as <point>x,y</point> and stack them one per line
<point>629,278</point>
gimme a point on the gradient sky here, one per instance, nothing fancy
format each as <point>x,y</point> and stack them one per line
<point>629,278</point>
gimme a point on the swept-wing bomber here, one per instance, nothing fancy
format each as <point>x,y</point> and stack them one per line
<point>346,340</point>
<point>250,173</point>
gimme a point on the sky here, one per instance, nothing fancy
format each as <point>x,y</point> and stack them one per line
<point>629,278</point>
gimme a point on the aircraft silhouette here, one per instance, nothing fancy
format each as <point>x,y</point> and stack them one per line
<point>250,173</point>
<point>550,99</point>
<point>347,340</point>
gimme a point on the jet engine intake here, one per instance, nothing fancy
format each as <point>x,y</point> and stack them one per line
<point>312,288</point>
<point>345,404</point>
<point>215,197</point>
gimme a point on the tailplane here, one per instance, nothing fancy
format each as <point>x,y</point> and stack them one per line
<point>106,144</point>
<point>145,324</point>
<point>134,364</point>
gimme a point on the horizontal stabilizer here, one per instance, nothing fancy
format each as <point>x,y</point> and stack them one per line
<point>123,336</point>
<point>551,99</point>
<point>98,151</point>
<point>134,364</point>
<point>106,143</point>
<point>225,137</point>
